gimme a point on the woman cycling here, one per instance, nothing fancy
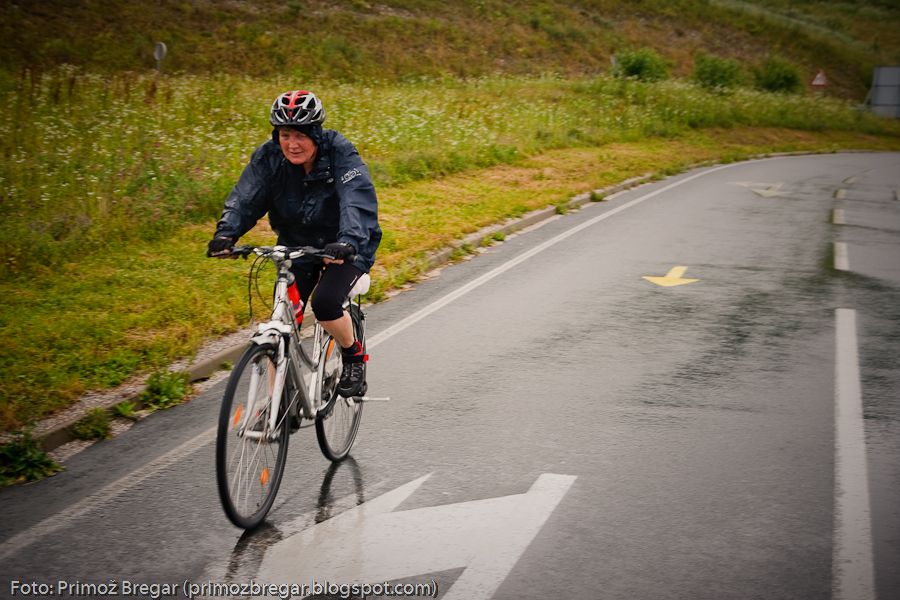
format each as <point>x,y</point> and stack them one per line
<point>317,192</point>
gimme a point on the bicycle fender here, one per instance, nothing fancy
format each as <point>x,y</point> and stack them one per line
<point>269,333</point>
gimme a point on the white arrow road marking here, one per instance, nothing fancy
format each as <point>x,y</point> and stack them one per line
<point>371,544</point>
<point>766,190</point>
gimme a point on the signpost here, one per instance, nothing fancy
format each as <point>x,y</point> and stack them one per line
<point>159,53</point>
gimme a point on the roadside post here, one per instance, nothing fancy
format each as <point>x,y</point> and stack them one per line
<point>159,53</point>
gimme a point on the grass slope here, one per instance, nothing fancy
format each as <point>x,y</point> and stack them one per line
<point>353,40</point>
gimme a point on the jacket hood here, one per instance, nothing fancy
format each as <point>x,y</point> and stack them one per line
<point>313,131</point>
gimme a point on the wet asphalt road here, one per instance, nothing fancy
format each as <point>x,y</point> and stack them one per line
<point>696,423</point>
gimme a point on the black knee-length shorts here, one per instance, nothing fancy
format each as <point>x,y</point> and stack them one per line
<point>332,284</point>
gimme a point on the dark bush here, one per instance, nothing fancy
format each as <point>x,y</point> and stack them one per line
<point>778,75</point>
<point>23,459</point>
<point>644,64</point>
<point>713,72</point>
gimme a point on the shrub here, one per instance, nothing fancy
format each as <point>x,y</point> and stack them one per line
<point>125,410</point>
<point>644,64</point>
<point>22,459</point>
<point>778,75</point>
<point>713,72</point>
<point>94,426</point>
<point>165,389</point>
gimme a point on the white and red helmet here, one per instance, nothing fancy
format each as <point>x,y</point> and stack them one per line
<point>297,107</point>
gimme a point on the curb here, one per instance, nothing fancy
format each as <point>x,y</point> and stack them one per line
<point>55,431</point>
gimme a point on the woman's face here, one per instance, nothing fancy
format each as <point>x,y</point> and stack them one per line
<point>298,148</point>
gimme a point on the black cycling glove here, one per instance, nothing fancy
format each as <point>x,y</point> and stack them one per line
<point>219,245</point>
<point>339,250</point>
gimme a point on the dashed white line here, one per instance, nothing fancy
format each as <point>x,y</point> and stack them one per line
<point>841,256</point>
<point>852,565</point>
<point>837,217</point>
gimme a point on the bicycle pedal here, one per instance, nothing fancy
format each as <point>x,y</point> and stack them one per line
<point>370,399</point>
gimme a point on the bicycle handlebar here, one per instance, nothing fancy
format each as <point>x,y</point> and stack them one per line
<point>282,252</point>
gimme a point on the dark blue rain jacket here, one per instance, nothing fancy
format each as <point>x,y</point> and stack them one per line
<point>335,202</point>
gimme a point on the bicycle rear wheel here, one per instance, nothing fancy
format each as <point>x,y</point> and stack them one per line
<point>337,422</point>
<point>250,457</point>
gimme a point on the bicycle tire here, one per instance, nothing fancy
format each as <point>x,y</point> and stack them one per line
<point>337,422</point>
<point>249,471</point>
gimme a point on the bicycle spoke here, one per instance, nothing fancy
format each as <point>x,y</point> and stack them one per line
<point>250,456</point>
<point>338,421</point>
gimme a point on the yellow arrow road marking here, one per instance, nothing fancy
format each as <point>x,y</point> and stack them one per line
<point>674,277</point>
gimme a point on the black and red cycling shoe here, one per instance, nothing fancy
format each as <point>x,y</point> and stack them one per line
<point>353,375</point>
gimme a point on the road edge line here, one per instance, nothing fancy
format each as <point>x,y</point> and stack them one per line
<point>853,576</point>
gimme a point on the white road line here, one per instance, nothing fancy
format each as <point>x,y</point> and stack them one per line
<point>852,567</point>
<point>841,256</point>
<point>63,518</point>
<point>840,194</point>
<point>838,217</point>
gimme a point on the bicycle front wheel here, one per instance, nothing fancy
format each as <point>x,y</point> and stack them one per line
<point>250,454</point>
<point>337,422</point>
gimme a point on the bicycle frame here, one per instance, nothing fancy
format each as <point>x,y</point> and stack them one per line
<point>293,364</point>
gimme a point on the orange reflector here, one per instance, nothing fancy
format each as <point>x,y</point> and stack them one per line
<point>264,476</point>
<point>237,417</point>
<point>330,348</point>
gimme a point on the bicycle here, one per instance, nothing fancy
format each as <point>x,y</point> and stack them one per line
<point>278,387</point>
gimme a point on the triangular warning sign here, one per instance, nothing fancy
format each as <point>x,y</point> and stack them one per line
<point>820,80</point>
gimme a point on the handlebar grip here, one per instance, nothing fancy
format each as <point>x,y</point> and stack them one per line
<point>244,251</point>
